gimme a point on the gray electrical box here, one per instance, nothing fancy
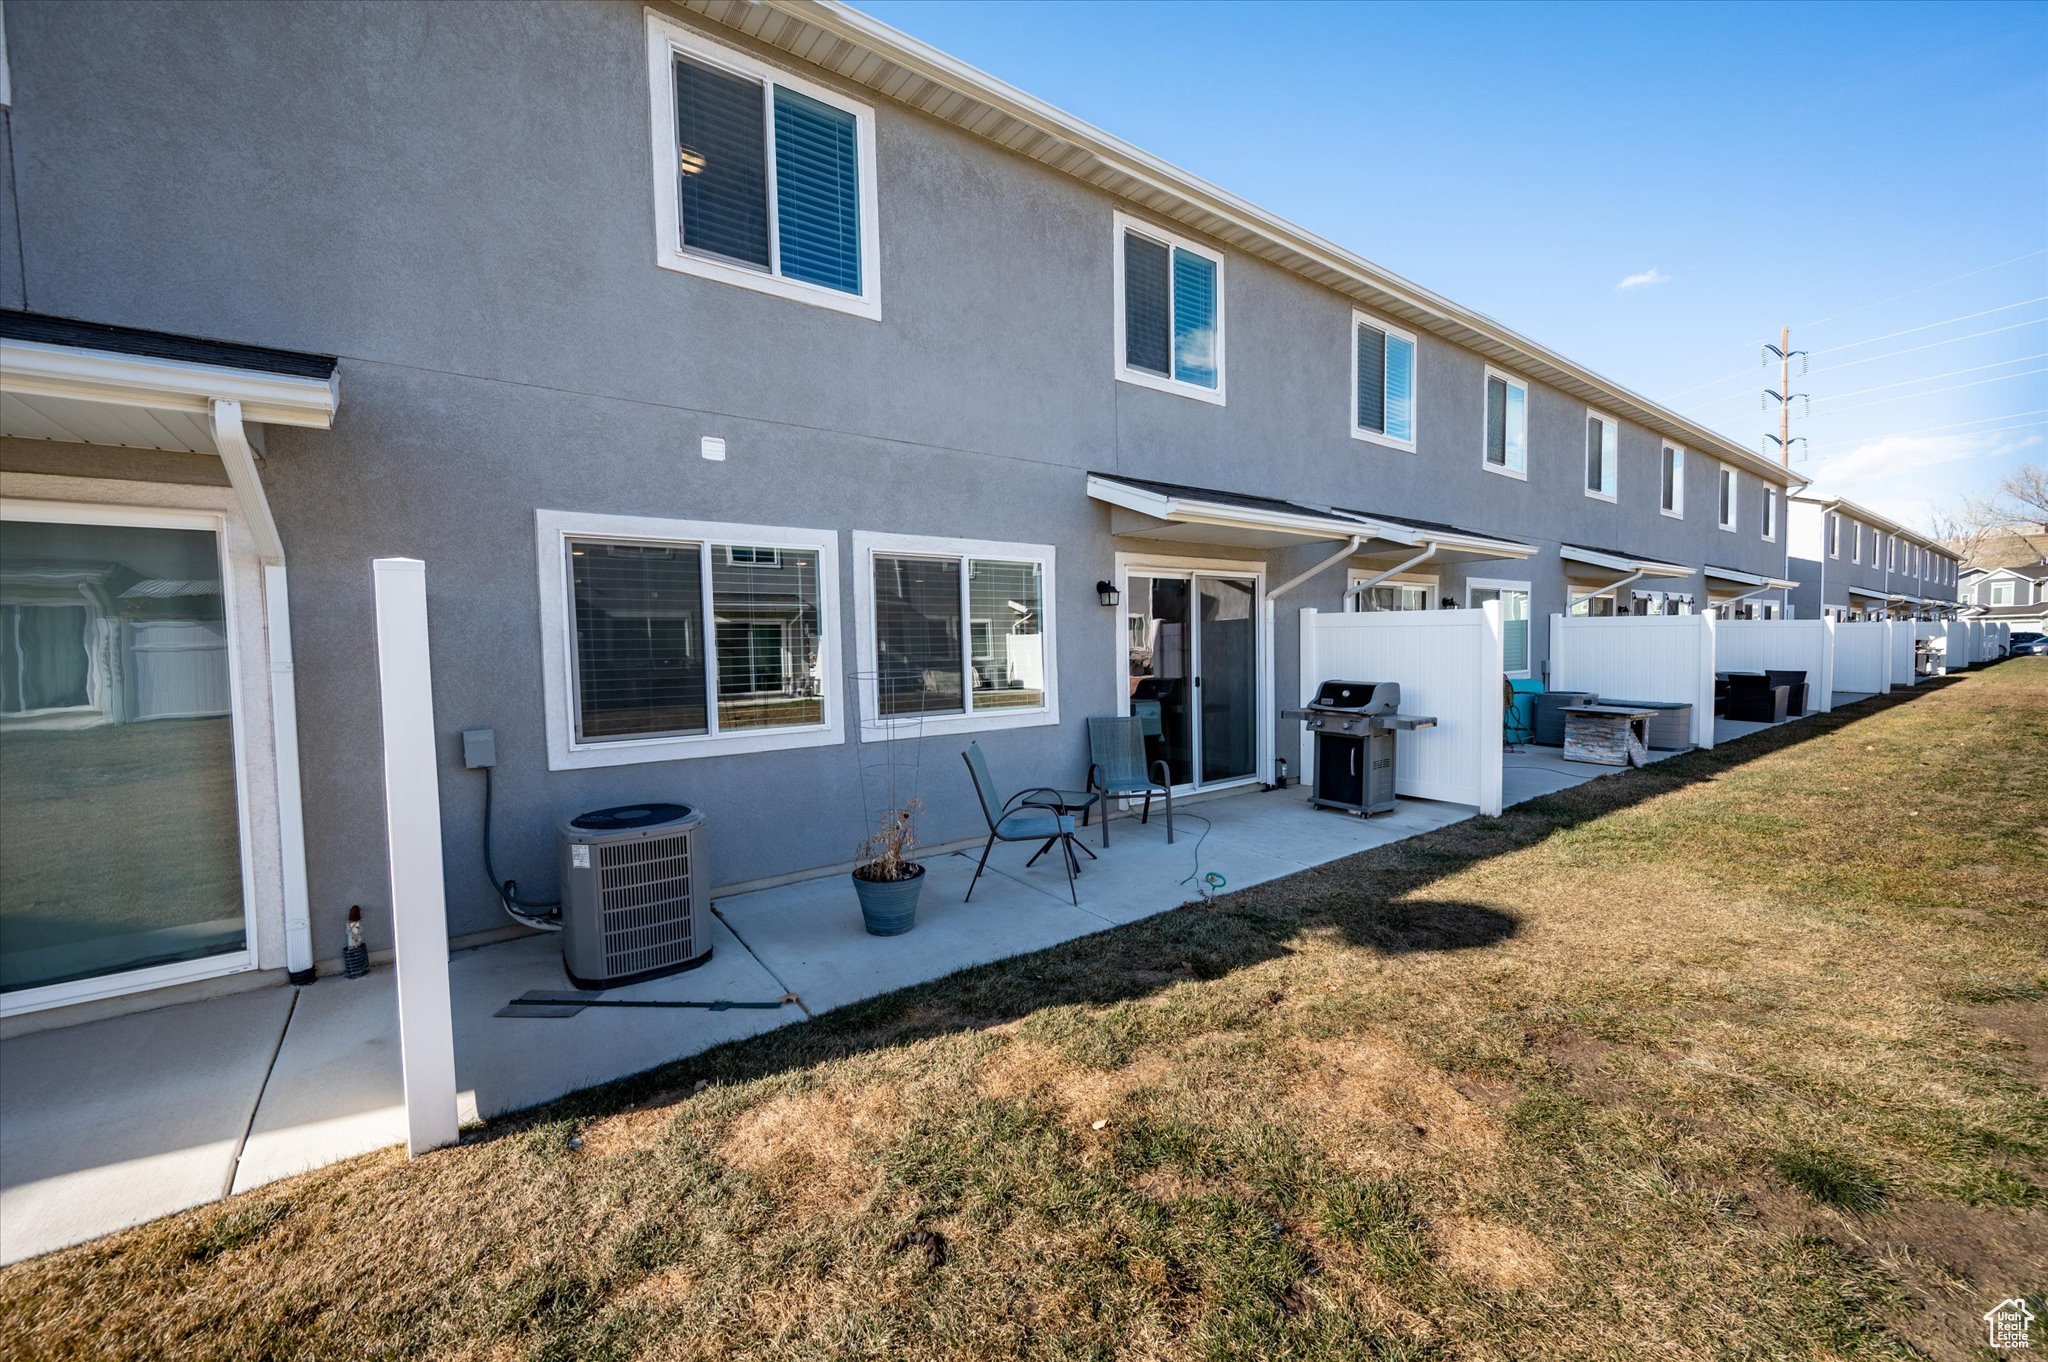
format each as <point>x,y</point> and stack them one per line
<point>479,748</point>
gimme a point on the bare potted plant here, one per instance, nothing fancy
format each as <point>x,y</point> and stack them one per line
<point>886,878</point>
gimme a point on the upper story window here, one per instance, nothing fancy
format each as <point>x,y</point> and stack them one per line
<point>1834,535</point>
<point>1507,424</point>
<point>1727,488</point>
<point>1855,541</point>
<point>670,638</point>
<point>1671,499</point>
<point>1382,382</point>
<point>1169,312</point>
<point>1770,528</point>
<point>1603,452</point>
<point>1891,553</point>
<point>762,179</point>
<point>2001,593</point>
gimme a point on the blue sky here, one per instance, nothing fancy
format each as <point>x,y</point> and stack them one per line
<point>1766,165</point>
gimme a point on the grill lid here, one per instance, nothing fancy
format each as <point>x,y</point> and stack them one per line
<point>1358,697</point>
<point>627,817</point>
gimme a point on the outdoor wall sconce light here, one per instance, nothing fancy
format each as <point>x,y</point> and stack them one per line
<point>1107,593</point>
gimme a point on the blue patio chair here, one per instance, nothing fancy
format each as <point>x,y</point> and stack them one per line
<point>1116,770</point>
<point>1033,815</point>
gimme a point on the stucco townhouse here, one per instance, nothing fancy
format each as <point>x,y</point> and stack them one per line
<point>755,382</point>
<point>2015,595</point>
<point>1852,563</point>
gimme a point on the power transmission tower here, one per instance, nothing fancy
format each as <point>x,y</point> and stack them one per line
<point>1784,394</point>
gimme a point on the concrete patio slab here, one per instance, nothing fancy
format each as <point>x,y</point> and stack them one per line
<point>116,1122</point>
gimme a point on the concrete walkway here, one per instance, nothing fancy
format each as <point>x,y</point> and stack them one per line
<point>112,1123</point>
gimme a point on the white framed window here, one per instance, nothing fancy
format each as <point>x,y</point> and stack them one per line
<point>2001,593</point>
<point>1726,480</point>
<point>761,178</point>
<point>1514,618</point>
<point>658,643</point>
<point>956,635</point>
<point>1770,527</point>
<point>1891,553</point>
<point>1407,591</point>
<point>1169,311</point>
<point>1382,382</point>
<point>1506,438</point>
<point>1603,454</point>
<point>1671,497</point>
<point>1855,541</point>
<point>1834,535</point>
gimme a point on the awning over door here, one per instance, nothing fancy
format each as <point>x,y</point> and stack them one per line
<point>1146,509</point>
<point>1728,583</point>
<point>1604,568</point>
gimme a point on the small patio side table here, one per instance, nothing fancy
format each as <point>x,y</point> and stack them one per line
<point>1610,735</point>
<point>1063,801</point>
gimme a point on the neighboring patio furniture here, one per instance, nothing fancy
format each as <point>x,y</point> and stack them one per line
<point>1117,770</point>
<point>1550,708</point>
<point>1611,735</point>
<point>1753,699</point>
<point>1670,722</point>
<point>1031,815</point>
<point>1795,683</point>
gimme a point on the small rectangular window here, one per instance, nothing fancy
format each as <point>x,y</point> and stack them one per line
<point>1603,437</point>
<point>1169,296</point>
<point>1382,383</point>
<point>1727,481</point>
<point>1834,535</point>
<point>1672,496</point>
<point>1514,615</point>
<point>1507,425</point>
<point>1770,528</point>
<point>763,179</point>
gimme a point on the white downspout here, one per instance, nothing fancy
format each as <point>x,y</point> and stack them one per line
<point>238,457</point>
<point>1360,588</point>
<point>1603,590</point>
<point>1298,578</point>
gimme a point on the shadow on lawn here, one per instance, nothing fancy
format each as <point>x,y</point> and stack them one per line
<point>1373,900</point>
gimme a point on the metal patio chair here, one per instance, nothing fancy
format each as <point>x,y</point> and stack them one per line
<point>1031,815</point>
<point>1117,770</point>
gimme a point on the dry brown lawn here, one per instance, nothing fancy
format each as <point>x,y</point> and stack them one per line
<point>1741,1056</point>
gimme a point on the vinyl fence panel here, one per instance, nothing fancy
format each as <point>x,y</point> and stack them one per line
<point>1448,664</point>
<point>1781,645</point>
<point>1650,657</point>
<point>1901,651</point>
<point>1863,657</point>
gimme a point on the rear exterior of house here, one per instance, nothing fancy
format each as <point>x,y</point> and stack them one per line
<point>2014,596</point>
<point>1853,564</point>
<point>761,389</point>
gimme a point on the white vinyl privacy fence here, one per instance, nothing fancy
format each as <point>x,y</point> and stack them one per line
<point>1781,645</point>
<point>1863,657</point>
<point>1647,657</point>
<point>1448,664</point>
<point>1901,651</point>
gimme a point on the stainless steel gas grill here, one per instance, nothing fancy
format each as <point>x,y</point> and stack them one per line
<point>1354,723</point>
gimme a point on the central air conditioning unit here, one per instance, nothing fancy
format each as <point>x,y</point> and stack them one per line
<point>636,901</point>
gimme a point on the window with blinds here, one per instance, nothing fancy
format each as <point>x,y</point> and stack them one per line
<point>1383,383</point>
<point>1170,297</point>
<point>1727,486</point>
<point>957,635</point>
<point>1514,618</point>
<point>1603,452</point>
<point>1507,424</point>
<point>772,175</point>
<point>685,639</point>
<point>1770,527</point>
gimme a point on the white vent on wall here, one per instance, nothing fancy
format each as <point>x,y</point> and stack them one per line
<point>713,448</point>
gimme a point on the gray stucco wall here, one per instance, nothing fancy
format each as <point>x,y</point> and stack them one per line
<point>455,200</point>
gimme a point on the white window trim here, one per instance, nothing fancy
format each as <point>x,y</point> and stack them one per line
<point>1833,530</point>
<point>1677,508</point>
<point>241,727</point>
<point>1427,580</point>
<point>1771,511</point>
<point>1607,474</point>
<point>2009,593</point>
<point>552,532</point>
<point>875,728</point>
<point>1166,383</point>
<point>1505,470</point>
<point>1504,584</point>
<point>1377,437</point>
<point>666,39</point>
<point>1734,496</point>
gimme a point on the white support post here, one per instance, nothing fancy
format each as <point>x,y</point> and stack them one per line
<point>1827,664</point>
<point>1492,713</point>
<point>1703,710</point>
<point>291,818</point>
<point>412,829</point>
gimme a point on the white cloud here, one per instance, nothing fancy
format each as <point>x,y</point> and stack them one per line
<point>1652,275</point>
<point>1908,476</point>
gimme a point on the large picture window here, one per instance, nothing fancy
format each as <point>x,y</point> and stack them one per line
<point>1169,311</point>
<point>675,639</point>
<point>762,179</point>
<point>954,634</point>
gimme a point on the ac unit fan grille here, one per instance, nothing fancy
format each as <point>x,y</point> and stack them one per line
<point>644,894</point>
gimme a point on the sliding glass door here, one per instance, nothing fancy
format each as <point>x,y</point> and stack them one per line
<point>1192,671</point>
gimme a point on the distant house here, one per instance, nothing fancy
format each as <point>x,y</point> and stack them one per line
<point>2017,596</point>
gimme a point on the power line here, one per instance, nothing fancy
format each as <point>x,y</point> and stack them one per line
<point>1953,387</point>
<point>1745,373</point>
<point>1947,321</point>
<point>1929,378</point>
<point>1931,345</point>
<point>1863,307</point>
<point>2013,416</point>
<point>1831,453</point>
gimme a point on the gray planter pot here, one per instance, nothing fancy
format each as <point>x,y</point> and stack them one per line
<point>889,907</point>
